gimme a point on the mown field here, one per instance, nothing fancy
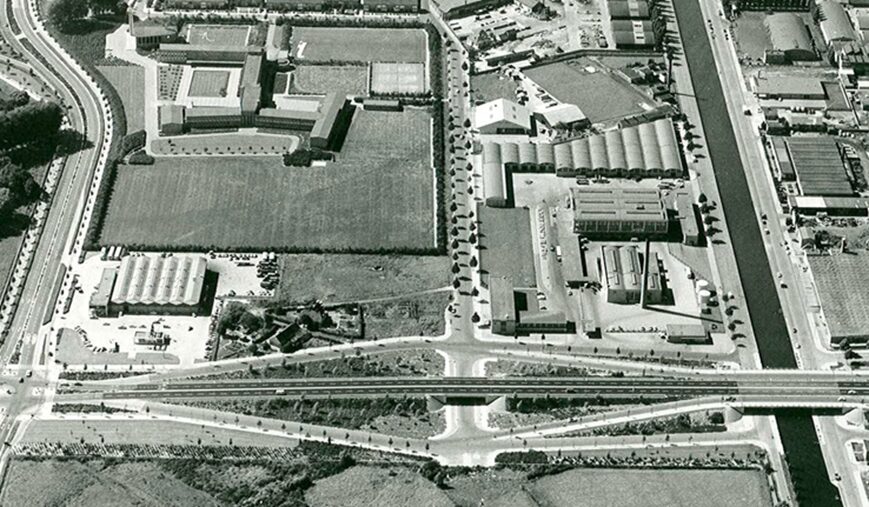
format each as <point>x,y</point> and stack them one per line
<point>351,79</point>
<point>378,196</point>
<point>359,44</point>
<point>129,82</point>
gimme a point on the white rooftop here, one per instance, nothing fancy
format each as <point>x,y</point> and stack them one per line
<point>502,110</point>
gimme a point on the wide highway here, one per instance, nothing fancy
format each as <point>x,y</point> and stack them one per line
<point>817,387</point>
<point>58,236</point>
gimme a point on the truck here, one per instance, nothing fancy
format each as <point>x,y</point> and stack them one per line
<point>558,253</point>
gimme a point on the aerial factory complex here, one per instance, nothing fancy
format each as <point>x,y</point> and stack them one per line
<point>434,252</point>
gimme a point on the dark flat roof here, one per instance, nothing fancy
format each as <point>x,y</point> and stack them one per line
<point>506,245</point>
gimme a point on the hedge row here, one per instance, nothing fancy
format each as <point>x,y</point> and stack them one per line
<point>435,48</point>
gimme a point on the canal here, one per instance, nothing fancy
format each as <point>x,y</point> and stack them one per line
<point>801,446</point>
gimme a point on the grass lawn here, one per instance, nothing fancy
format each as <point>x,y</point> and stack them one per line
<point>142,432</point>
<point>359,44</point>
<point>378,195</point>
<point>653,488</point>
<point>413,316</point>
<point>398,77</point>
<point>281,80</point>
<point>208,83</point>
<point>492,86</point>
<point>400,363</point>
<point>129,82</point>
<point>216,35</point>
<point>337,278</point>
<point>600,95</point>
<point>362,486</point>
<point>352,79</point>
<point>409,416</point>
<point>225,144</point>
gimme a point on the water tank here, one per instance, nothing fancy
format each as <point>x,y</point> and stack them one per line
<point>704,296</point>
<point>701,285</point>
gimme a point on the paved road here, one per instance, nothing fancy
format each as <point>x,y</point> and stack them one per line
<point>758,389</point>
<point>58,235</point>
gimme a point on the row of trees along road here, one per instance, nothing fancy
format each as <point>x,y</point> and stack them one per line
<point>28,137</point>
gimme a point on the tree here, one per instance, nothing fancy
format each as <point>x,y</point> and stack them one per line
<point>63,13</point>
<point>702,198</point>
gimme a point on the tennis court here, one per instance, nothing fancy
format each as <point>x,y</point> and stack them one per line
<point>397,78</point>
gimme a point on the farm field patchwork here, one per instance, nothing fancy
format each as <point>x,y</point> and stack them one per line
<point>218,35</point>
<point>599,94</point>
<point>351,79</point>
<point>378,195</point>
<point>129,82</point>
<point>359,44</point>
<point>398,78</point>
<point>208,83</point>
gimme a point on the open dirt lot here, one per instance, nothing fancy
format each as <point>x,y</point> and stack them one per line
<point>350,79</point>
<point>378,195</point>
<point>339,278</point>
<point>359,44</point>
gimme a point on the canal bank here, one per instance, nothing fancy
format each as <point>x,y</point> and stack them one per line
<point>798,436</point>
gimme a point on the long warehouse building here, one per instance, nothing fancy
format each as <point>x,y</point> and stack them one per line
<point>647,150</point>
<point>145,284</point>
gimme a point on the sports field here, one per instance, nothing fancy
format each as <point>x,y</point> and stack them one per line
<point>129,82</point>
<point>359,44</point>
<point>588,85</point>
<point>218,35</point>
<point>397,77</point>
<point>378,195</point>
<point>351,79</point>
<point>209,83</point>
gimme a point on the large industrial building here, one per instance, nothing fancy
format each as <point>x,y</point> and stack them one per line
<point>619,213</point>
<point>156,285</point>
<point>790,39</point>
<point>634,24</point>
<point>815,163</point>
<point>624,273</point>
<point>834,22</point>
<point>647,150</point>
